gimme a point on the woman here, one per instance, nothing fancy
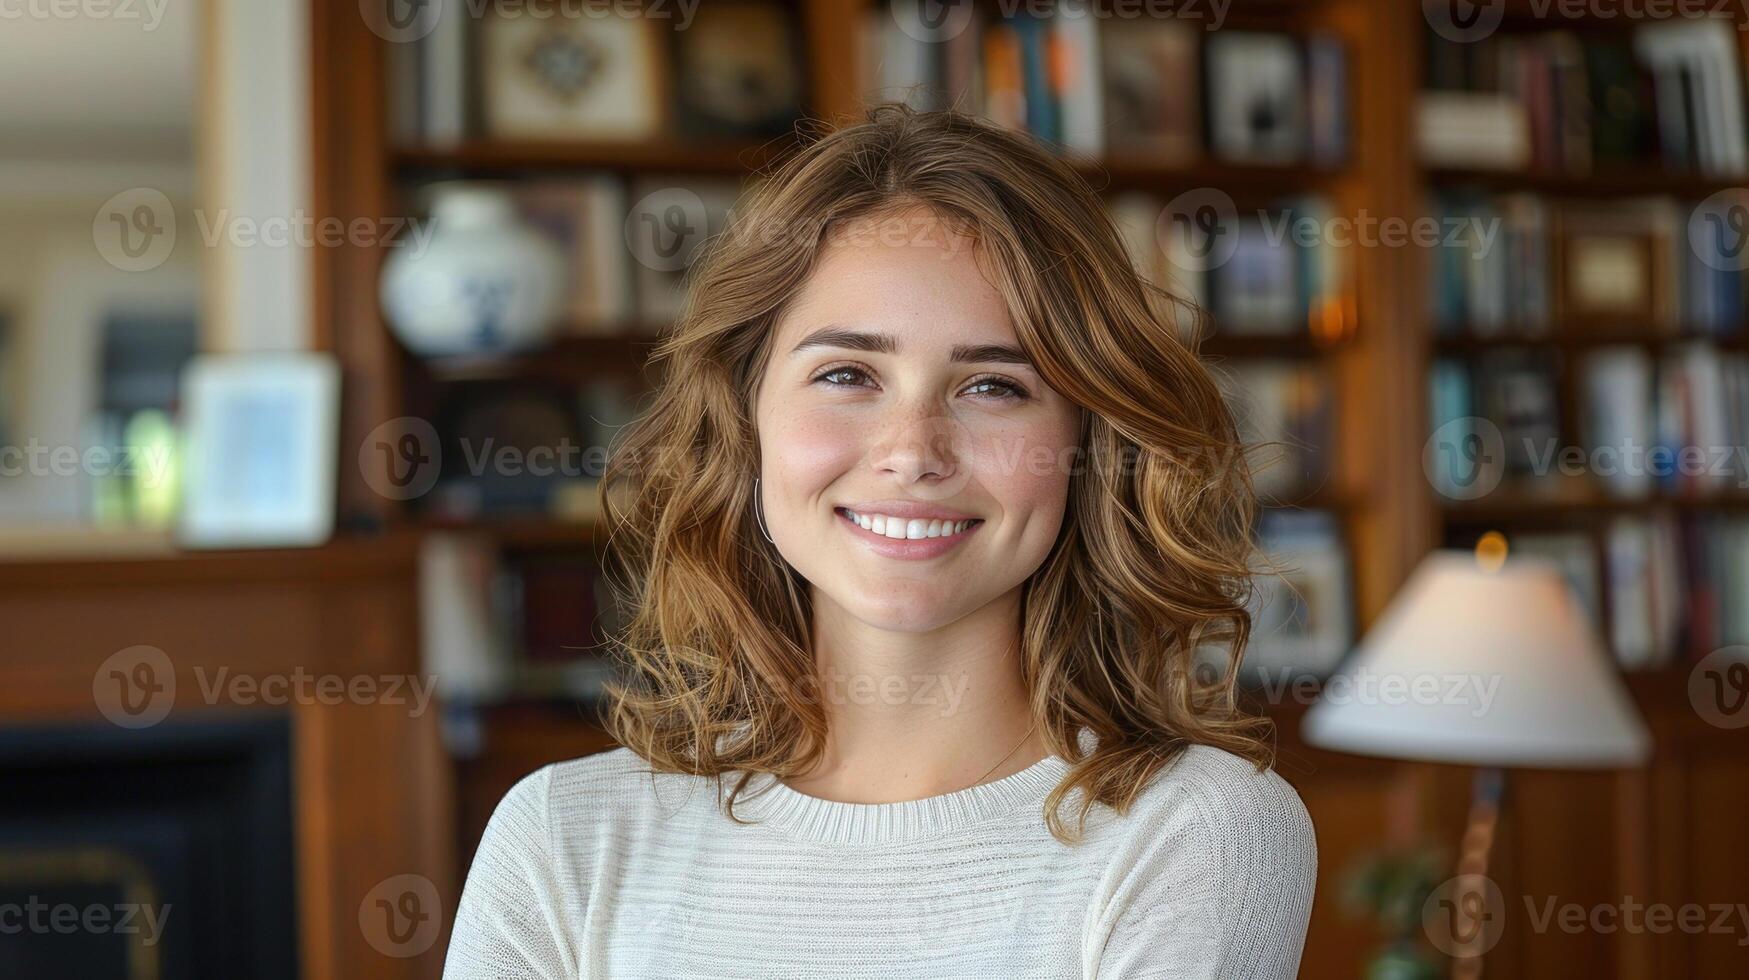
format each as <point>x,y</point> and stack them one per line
<point>924,534</point>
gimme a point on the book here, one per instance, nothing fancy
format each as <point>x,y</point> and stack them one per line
<point>1151,89</point>
<point>1256,96</point>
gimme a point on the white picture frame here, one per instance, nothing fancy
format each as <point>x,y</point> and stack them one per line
<point>261,439</point>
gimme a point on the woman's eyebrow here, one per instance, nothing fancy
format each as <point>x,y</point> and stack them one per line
<point>881,343</point>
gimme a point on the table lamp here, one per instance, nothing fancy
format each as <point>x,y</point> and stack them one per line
<point>1485,661</point>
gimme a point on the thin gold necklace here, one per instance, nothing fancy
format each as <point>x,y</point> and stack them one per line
<point>1016,748</point>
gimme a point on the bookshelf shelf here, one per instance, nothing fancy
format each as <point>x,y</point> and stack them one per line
<point>493,156</point>
<point>534,532</point>
<point>1623,182</point>
<point>1576,340</point>
<point>1247,180</point>
<point>1248,347</point>
<point>489,156</point>
<point>569,358</point>
<point>1517,509</point>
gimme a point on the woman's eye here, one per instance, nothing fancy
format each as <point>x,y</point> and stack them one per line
<point>838,371</point>
<point>998,387</point>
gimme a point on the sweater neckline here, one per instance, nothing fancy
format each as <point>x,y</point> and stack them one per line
<point>776,804</point>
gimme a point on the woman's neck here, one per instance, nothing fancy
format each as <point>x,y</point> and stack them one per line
<point>913,715</point>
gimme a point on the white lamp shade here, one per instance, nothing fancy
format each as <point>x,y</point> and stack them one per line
<point>1496,668</point>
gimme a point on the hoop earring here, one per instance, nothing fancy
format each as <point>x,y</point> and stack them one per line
<point>759,512</point>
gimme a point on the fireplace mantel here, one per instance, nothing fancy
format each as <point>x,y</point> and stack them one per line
<point>372,789</point>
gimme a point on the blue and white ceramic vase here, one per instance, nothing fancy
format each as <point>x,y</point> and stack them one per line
<point>477,280</point>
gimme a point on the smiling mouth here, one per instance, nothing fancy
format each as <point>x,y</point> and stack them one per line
<point>913,529</point>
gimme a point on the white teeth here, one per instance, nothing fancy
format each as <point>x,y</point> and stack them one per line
<point>901,529</point>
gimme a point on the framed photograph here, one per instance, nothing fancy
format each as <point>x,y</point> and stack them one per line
<point>1611,269</point>
<point>574,78</point>
<point>738,71</point>
<point>1302,606</point>
<point>261,444</point>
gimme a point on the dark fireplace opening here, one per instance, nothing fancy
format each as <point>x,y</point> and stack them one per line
<point>149,854</point>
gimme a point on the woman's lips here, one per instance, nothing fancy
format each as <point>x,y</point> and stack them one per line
<point>906,548</point>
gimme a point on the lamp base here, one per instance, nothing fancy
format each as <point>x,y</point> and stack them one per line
<point>1487,793</point>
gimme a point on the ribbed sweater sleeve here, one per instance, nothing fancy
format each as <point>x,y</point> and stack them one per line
<point>1220,885</point>
<point>511,921</point>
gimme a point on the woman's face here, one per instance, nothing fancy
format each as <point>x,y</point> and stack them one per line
<point>897,397</point>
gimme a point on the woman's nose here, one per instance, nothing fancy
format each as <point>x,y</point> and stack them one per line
<point>917,443</point>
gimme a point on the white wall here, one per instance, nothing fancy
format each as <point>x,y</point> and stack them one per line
<point>204,101</point>
<point>255,165</point>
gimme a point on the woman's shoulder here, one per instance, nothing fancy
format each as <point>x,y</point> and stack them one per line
<point>1222,799</point>
<point>612,775</point>
<point>611,785</point>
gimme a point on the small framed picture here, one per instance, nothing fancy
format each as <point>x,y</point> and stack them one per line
<point>1610,270</point>
<point>579,78</point>
<point>738,71</point>
<point>261,441</point>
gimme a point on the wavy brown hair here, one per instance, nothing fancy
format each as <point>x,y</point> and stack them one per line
<point>1153,559</point>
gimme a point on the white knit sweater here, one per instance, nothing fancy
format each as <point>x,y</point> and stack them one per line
<point>596,868</point>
